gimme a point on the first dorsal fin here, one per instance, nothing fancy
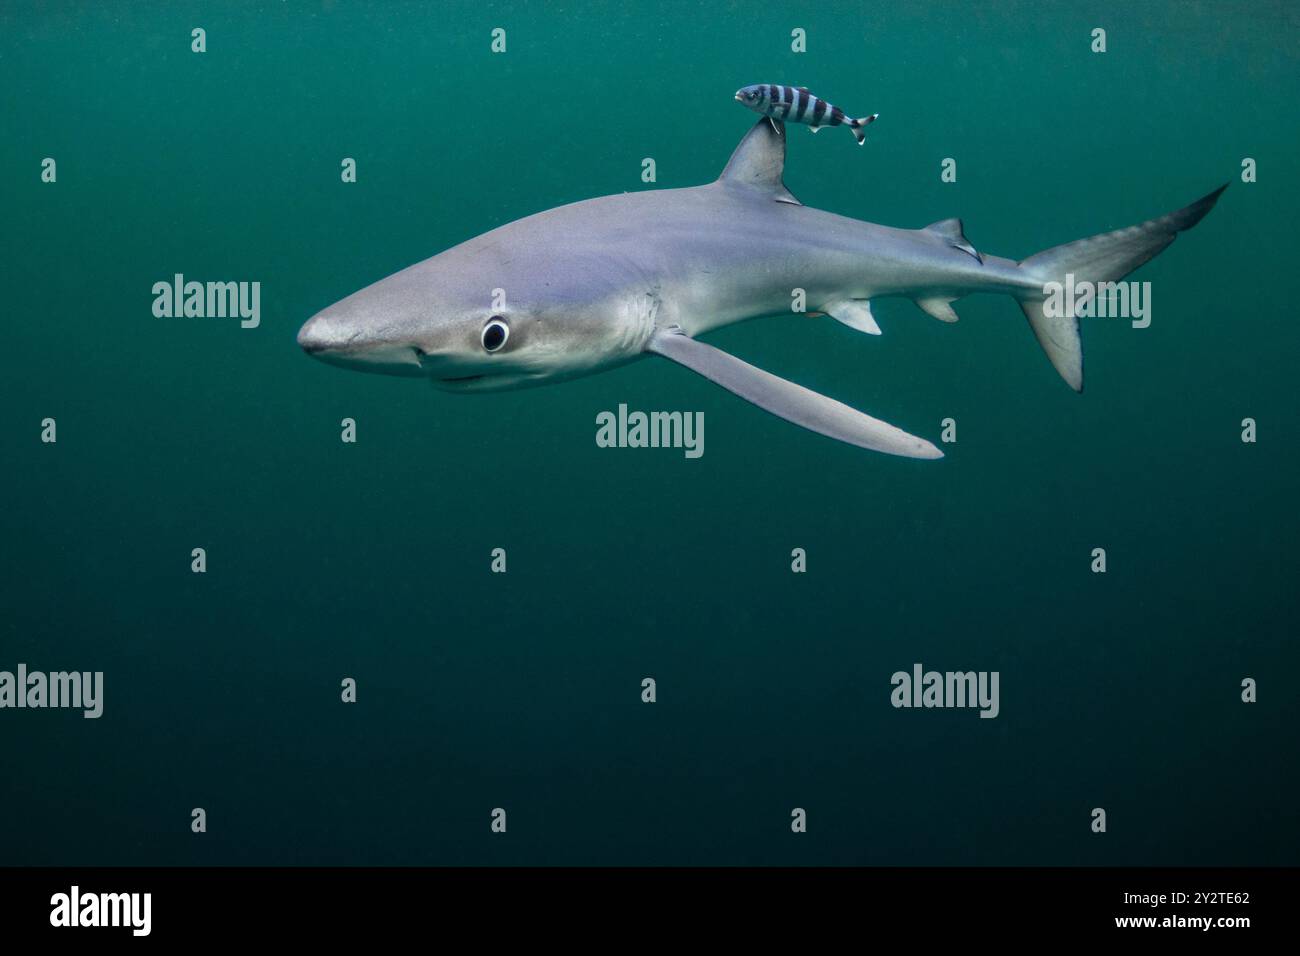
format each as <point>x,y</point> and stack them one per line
<point>759,161</point>
<point>951,230</point>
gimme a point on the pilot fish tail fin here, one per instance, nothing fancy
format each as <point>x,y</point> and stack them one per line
<point>1107,257</point>
<point>859,126</point>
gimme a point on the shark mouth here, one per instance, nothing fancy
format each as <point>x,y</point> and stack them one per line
<point>459,379</point>
<point>436,367</point>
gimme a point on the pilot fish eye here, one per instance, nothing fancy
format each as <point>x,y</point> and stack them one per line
<point>495,333</point>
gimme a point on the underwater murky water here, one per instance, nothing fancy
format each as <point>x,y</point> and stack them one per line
<point>475,690</point>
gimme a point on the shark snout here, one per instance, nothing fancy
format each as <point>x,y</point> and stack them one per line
<point>331,337</point>
<point>314,337</point>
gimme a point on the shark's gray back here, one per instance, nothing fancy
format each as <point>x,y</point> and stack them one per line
<point>711,254</point>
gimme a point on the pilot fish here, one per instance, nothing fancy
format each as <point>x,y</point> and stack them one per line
<point>794,104</point>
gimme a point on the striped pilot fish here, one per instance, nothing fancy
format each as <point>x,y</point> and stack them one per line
<point>795,104</point>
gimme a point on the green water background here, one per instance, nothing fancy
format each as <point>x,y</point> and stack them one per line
<point>522,691</point>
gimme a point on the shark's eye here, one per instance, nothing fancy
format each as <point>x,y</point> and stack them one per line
<point>495,333</point>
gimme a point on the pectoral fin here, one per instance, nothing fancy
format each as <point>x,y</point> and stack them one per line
<point>787,400</point>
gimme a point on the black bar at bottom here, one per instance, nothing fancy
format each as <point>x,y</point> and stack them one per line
<point>333,904</point>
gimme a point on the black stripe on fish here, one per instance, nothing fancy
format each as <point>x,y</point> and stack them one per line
<point>819,110</point>
<point>771,95</point>
<point>837,116</point>
<point>804,96</point>
<point>787,101</point>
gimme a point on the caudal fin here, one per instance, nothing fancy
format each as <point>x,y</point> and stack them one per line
<point>859,127</point>
<point>1108,257</point>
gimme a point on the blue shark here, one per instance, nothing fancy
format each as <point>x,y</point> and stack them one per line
<point>592,285</point>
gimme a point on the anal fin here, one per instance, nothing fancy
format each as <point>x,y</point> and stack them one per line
<point>940,307</point>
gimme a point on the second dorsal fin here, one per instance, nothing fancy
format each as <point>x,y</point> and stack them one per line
<point>951,230</point>
<point>759,161</point>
